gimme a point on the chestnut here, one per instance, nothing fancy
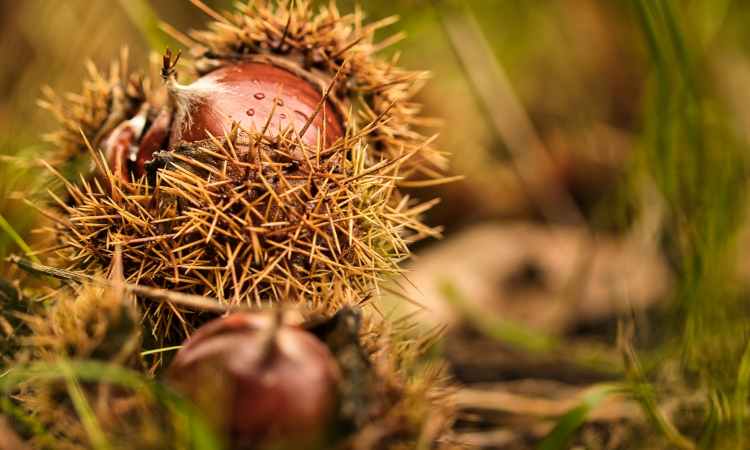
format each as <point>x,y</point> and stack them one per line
<point>121,144</point>
<point>260,380</point>
<point>257,96</point>
<point>127,148</point>
<point>248,93</point>
<point>153,140</point>
<point>118,148</point>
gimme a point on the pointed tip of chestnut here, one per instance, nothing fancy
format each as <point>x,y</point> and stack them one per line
<point>256,96</point>
<point>257,379</point>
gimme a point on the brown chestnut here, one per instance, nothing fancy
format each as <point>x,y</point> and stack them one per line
<point>247,93</point>
<point>153,140</point>
<point>119,146</point>
<point>127,148</point>
<point>258,379</point>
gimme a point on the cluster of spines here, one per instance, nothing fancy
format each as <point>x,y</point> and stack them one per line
<point>222,223</point>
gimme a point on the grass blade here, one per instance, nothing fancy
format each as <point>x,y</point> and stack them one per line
<point>15,237</point>
<point>81,405</point>
<point>509,332</point>
<point>196,430</point>
<point>161,350</point>
<point>560,436</point>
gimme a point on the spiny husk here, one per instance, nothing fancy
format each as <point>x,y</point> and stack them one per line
<point>248,224</point>
<point>281,221</point>
<point>89,322</point>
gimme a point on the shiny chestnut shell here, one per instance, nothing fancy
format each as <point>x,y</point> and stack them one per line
<point>153,140</point>
<point>258,388</point>
<point>247,93</point>
<point>127,148</point>
<point>118,147</point>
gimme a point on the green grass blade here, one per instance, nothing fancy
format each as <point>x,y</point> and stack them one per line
<point>198,432</point>
<point>560,436</point>
<point>503,330</point>
<point>90,423</point>
<point>524,338</point>
<point>160,350</point>
<point>15,237</point>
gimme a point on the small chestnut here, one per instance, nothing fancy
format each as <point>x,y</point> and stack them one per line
<point>118,148</point>
<point>153,140</point>
<point>127,147</point>
<point>260,380</point>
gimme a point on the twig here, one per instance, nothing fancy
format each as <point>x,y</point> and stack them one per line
<point>194,302</point>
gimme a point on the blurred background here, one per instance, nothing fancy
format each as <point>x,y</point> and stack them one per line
<point>591,287</point>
